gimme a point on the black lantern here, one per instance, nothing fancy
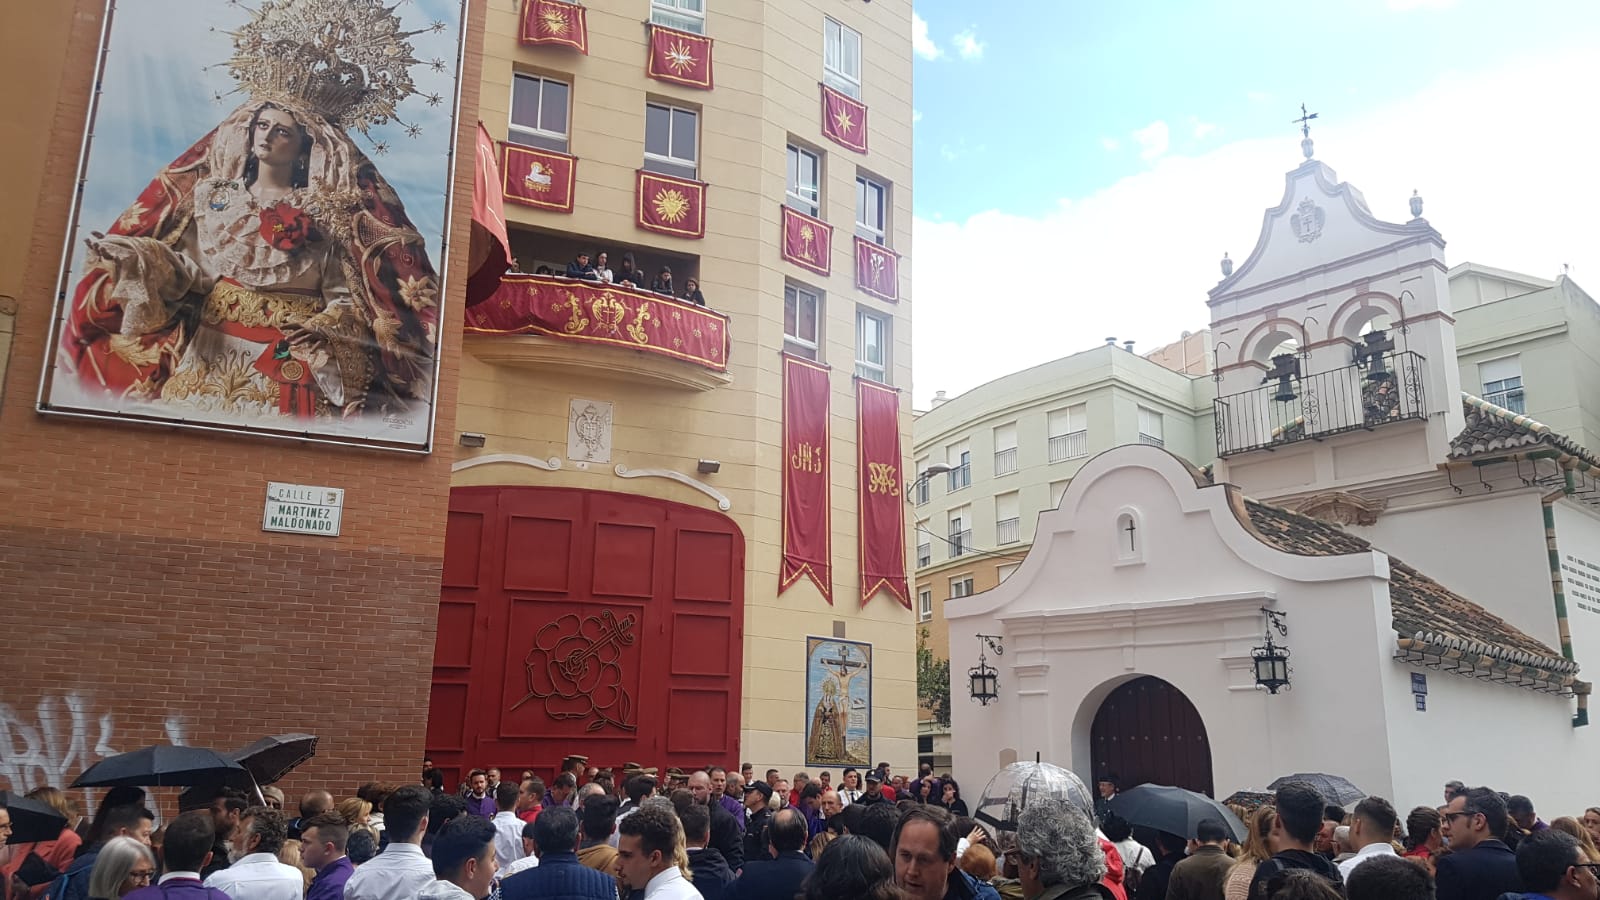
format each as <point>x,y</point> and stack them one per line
<point>1272,660</point>
<point>985,679</point>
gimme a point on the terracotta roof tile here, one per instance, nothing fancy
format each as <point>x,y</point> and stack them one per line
<point>1495,431</point>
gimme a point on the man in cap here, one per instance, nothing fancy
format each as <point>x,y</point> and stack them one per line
<point>758,815</point>
<point>874,791</point>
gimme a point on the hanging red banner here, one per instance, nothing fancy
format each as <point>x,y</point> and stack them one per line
<point>540,178</point>
<point>555,22</point>
<point>489,249</point>
<point>877,270</point>
<point>593,312</point>
<point>807,518</point>
<point>883,522</point>
<point>844,119</point>
<point>807,242</point>
<point>679,57</point>
<point>675,206</point>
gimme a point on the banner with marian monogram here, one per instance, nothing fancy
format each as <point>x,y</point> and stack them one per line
<point>271,265</point>
<point>877,270</point>
<point>883,522</point>
<point>539,178</point>
<point>555,22</point>
<point>807,241</point>
<point>599,313</point>
<point>807,516</point>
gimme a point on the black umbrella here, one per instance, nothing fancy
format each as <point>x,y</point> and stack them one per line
<point>1251,800</point>
<point>271,758</point>
<point>1334,789</point>
<point>1173,809</point>
<point>31,820</point>
<point>164,766</point>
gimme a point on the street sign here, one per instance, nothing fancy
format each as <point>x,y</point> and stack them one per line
<point>303,509</point>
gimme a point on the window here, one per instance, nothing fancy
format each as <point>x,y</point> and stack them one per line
<point>1502,382</point>
<point>539,112</point>
<point>1007,518</point>
<point>801,318</point>
<point>671,137</point>
<point>1069,435</point>
<point>684,15</point>
<point>961,587</point>
<point>960,531</point>
<point>1150,428</point>
<point>924,545</point>
<point>1005,449</point>
<point>805,181</point>
<point>841,58</point>
<point>959,458</point>
<point>921,484</point>
<point>1057,488</point>
<point>924,605</point>
<point>872,346</point>
<point>871,205</point>
<point>1004,572</point>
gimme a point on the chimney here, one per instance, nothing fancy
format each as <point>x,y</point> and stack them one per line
<point>1128,346</point>
<point>1111,342</point>
<point>939,398</point>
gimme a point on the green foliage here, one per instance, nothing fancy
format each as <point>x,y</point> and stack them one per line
<point>933,681</point>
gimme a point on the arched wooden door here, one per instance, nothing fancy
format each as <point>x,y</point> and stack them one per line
<point>576,621</point>
<point>1147,731</point>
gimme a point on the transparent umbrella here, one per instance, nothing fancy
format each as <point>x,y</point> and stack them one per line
<point>1010,791</point>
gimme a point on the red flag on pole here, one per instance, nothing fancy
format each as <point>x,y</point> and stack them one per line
<point>807,242</point>
<point>555,22</point>
<point>679,57</point>
<point>844,119</point>
<point>807,520</point>
<point>489,252</point>
<point>540,178</point>
<point>877,270</point>
<point>882,505</point>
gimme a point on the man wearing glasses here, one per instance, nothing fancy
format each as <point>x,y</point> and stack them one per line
<point>1553,865</point>
<point>1479,866</point>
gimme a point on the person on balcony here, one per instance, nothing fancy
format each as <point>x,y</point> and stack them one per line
<point>629,275</point>
<point>580,268</point>
<point>600,267</point>
<point>691,292</point>
<point>663,283</point>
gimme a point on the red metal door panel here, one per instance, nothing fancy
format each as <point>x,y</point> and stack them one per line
<point>587,622</point>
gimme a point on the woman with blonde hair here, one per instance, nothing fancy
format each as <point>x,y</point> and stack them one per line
<point>289,855</point>
<point>355,811</point>
<point>1257,850</point>
<point>1575,828</point>
<point>123,865</point>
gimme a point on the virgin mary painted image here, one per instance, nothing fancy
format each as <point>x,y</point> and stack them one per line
<point>838,702</point>
<point>270,276</point>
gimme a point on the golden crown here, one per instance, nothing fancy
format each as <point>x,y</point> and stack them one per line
<point>348,60</point>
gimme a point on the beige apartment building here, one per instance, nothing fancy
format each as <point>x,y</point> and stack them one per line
<point>643,494</point>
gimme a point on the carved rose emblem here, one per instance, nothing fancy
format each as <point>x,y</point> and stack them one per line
<point>575,668</point>
<point>286,227</point>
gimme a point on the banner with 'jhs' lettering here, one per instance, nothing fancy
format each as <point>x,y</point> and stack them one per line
<point>807,525</point>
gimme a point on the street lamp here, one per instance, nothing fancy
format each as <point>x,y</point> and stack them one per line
<point>985,679</point>
<point>1272,659</point>
<point>918,488</point>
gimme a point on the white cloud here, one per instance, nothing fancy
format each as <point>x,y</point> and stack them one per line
<point>1135,258</point>
<point>921,44</point>
<point>916,116</point>
<point>1152,139</point>
<point>1203,130</point>
<point>967,44</point>
<point>1110,144</point>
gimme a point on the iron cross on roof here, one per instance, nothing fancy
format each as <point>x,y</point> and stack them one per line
<point>1304,121</point>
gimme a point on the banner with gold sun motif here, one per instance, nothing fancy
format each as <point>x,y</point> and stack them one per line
<point>877,270</point>
<point>882,508</point>
<point>675,206</point>
<point>844,119</point>
<point>539,178</point>
<point>679,57</point>
<point>555,22</point>
<point>807,242</point>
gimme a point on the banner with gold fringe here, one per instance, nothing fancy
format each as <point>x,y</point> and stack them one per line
<point>539,178</point>
<point>877,270</point>
<point>844,119</point>
<point>555,22</point>
<point>807,506</point>
<point>882,505</point>
<point>807,241</point>
<point>675,206</point>
<point>680,57</point>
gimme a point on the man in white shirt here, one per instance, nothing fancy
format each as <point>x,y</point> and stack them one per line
<point>401,871</point>
<point>463,858</point>
<point>645,854</point>
<point>1371,830</point>
<point>258,875</point>
<point>530,857</point>
<point>507,827</point>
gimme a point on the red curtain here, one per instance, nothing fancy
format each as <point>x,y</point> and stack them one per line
<point>807,242</point>
<point>679,57</point>
<point>555,22</point>
<point>807,521</point>
<point>489,252</point>
<point>880,489</point>
<point>844,119</point>
<point>540,178</point>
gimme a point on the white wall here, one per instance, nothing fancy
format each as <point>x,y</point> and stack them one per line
<point>1578,535</point>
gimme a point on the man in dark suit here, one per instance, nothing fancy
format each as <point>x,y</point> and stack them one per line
<point>711,873</point>
<point>780,876</point>
<point>1479,865</point>
<point>559,874</point>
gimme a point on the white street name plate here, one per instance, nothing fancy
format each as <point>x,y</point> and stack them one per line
<point>303,509</point>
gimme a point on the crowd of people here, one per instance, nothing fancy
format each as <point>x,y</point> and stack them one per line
<point>715,834</point>
<point>596,268</point>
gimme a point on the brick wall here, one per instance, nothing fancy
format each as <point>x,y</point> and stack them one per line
<point>139,599</point>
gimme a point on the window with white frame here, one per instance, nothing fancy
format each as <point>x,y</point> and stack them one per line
<point>671,140</point>
<point>872,346</point>
<point>872,205</point>
<point>804,191</point>
<point>1150,430</point>
<point>958,457</point>
<point>924,604</point>
<point>1007,518</point>
<point>1068,433</point>
<point>1057,488</point>
<point>802,318</point>
<point>684,15</point>
<point>841,58</point>
<point>1502,383</point>
<point>924,544</point>
<point>920,492</point>
<point>961,587</point>
<point>1005,571</point>
<point>960,533</point>
<point>539,112</point>
<point>1005,448</point>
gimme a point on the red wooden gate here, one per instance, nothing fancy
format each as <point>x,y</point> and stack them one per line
<point>575,621</point>
<point>1147,731</point>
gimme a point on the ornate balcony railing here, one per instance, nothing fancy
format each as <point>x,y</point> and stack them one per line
<point>1327,403</point>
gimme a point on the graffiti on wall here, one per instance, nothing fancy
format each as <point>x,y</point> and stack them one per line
<point>60,738</point>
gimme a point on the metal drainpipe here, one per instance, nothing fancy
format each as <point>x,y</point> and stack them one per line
<point>1553,552</point>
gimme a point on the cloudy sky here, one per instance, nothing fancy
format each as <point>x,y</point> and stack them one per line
<point>1081,167</point>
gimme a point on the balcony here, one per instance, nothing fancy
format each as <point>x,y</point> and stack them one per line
<point>1005,461</point>
<point>960,543</point>
<point>960,476</point>
<point>1151,440</point>
<point>1072,445</point>
<point>1008,531</point>
<point>1359,397</point>
<point>567,325</point>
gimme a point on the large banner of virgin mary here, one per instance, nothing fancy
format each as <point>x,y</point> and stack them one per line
<point>258,243</point>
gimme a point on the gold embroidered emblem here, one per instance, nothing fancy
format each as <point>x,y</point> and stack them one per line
<point>671,205</point>
<point>636,330</point>
<point>680,57</point>
<point>882,479</point>
<point>292,370</point>
<point>553,21</point>
<point>609,313</point>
